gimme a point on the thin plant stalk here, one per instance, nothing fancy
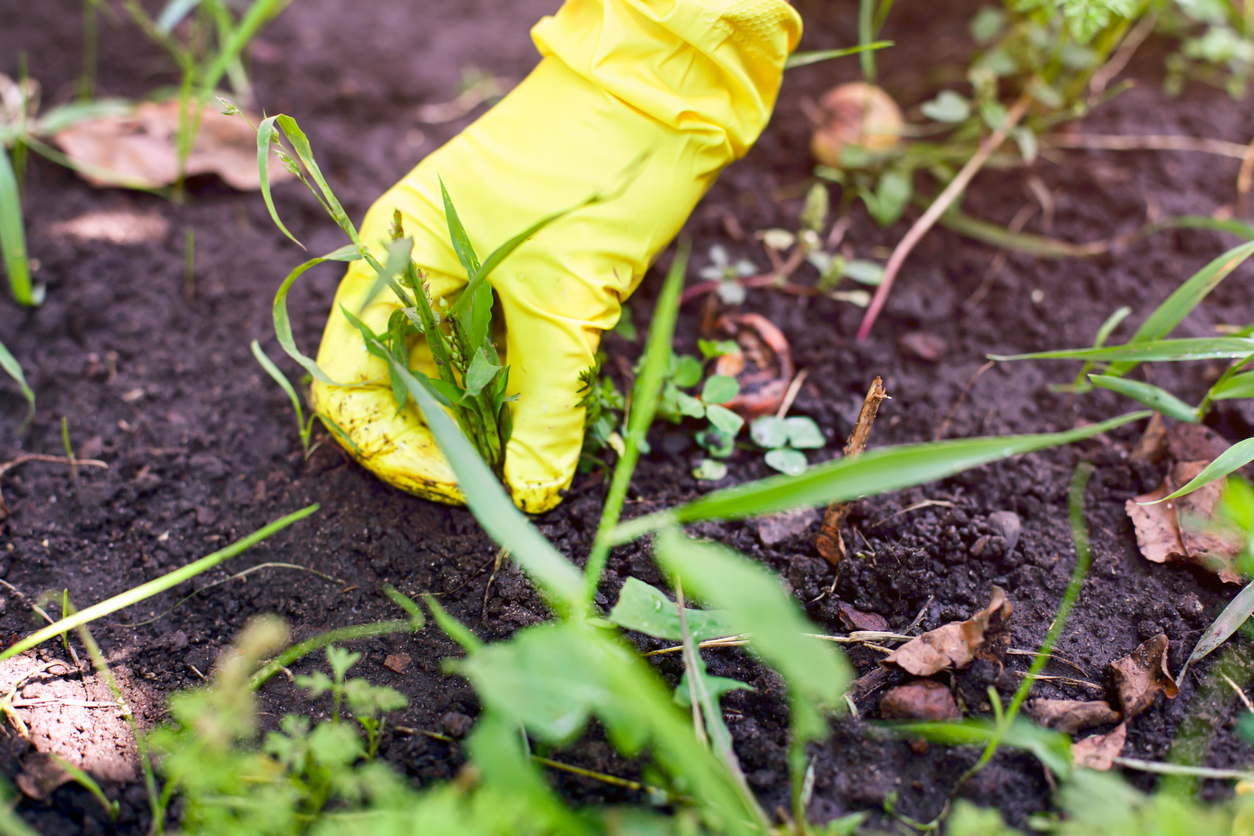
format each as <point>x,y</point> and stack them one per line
<point>644,404</point>
<point>153,587</point>
<point>946,198</point>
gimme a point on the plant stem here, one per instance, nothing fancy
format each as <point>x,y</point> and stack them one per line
<point>938,207</point>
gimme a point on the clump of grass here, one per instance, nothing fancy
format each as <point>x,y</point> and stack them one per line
<point>472,381</point>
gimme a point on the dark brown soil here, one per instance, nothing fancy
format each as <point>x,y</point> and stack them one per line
<point>202,447</point>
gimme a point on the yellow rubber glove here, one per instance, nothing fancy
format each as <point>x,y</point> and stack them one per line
<point>689,82</point>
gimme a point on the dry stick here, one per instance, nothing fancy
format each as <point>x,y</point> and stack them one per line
<point>829,542</point>
<point>40,457</point>
<point>1148,142</point>
<point>938,207</point>
<point>1103,77</point>
<point>791,394</point>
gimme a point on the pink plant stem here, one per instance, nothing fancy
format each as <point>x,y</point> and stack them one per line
<point>938,207</point>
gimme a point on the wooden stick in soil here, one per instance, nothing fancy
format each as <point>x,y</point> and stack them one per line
<point>938,207</point>
<point>829,542</point>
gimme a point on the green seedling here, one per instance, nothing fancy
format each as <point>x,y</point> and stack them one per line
<point>785,440</point>
<point>11,367</point>
<point>303,427</point>
<point>604,407</point>
<point>471,382</point>
<point>1151,343</point>
<point>718,435</point>
<point>207,39</point>
<point>369,703</point>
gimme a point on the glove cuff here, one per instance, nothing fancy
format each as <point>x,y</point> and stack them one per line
<point>690,64</point>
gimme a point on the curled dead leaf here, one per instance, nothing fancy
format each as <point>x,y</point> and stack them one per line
<point>855,619</point>
<point>1100,750</point>
<point>763,365</point>
<point>1152,446</point>
<point>140,149</point>
<point>1179,530</point>
<point>1141,675</point>
<point>923,699</point>
<point>1071,716</point>
<point>957,645</point>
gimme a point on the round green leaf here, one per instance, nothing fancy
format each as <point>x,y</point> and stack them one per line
<point>948,106</point>
<point>688,371</point>
<point>720,388</point>
<point>726,421</point>
<point>690,406</point>
<point>710,470</point>
<point>769,432</point>
<point>803,433</point>
<point>791,462</point>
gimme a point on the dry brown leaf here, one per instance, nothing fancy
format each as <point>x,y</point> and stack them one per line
<point>957,644</point>
<point>1141,675</point>
<point>397,662</point>
<point>1071,716</point>
<point>140,149</point>
<point>1153,444</point>
<point>1174,531</point>
<point>1193,442</point>
<point>1099,751</point>
<point>855,619</point>
<point>923,699</point>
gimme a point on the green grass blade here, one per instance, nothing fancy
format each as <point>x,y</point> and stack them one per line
<point>457,235</point>
<point>300,144</point>
<point>1152,396</point>
<point>153,587</point>
<point>265,136</point>
<point>259,14</point>
<point>283,323</point>
<point>657,357</point>
<point>1237,386</point>
<point>1109,326</point>
<point>13,235</point>
<point>558,579</point>
<point>9,363</point>
<point>1230,225</point>
<point>353,632</point>
<point>1195,348</point>
<point>874,472</point>
<point>173,13</point>
<point>804,59</point>
<point>1237,612</point>
<point>67,115</point>
<point>278,377</point>
<point>753,602</point>
<point>1187,297</point>
<point>1234,458</point>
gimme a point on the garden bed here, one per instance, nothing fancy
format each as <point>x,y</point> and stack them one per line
<point>156,379</point>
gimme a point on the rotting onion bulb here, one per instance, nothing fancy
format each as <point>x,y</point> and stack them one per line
<point>855,114</point>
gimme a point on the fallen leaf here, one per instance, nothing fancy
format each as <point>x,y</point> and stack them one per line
<point>40,776</point>
<point>1153,444</point>
<point>923,699</point>
<point>397,662</point>
<point>1099,751</point>
<point>1071,716</point>
<point>858,620</point>
<point>956,645</point>
<point>1178,530</point>
<point>140,149</point>
<point>1194,442</point>
<point>1141,675</point>
<point>777,528</point>
<point>763,365</point>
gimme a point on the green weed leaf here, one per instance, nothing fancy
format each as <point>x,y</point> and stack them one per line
<point>1234,458</point>
<point>13,236</point>
<point>283,323</point>
<point>803,433</point>
<point>457,235</point>
<point>9,363</point>
<point>647,610</point>
<point>480,374</point>
<point>769,432</point>
<point>1128,355</point>
<point>720,388</point>
<point>265,136</point>
<point>1152,396</point>
<point>755,603</point>
<point>1237,386</point>
<point>723,419</point>
<point>791,462</point>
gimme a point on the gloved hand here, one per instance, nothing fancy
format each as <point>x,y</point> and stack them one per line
<point>690,83</point>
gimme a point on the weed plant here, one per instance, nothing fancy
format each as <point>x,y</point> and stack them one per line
<point>472,382</point>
